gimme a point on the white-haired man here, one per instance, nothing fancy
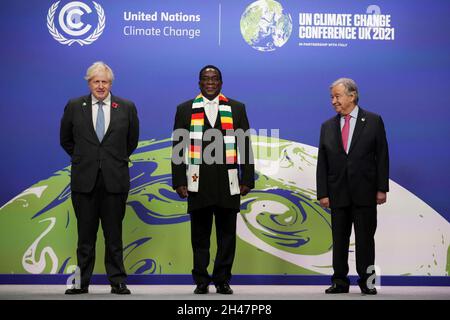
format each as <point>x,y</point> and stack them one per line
<point>99,131</point>
<point>352,178</point>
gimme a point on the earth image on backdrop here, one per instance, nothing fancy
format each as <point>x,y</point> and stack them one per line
<point>282,230</point>
<point>264,26</point>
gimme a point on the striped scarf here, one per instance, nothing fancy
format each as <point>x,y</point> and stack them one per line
<point>197,126</point>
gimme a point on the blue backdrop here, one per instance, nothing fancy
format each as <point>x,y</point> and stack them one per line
<point>406,80</point>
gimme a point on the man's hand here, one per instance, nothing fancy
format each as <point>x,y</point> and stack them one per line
<point>244,189</point>
<point>182,192</point>
<point>325,202</point>
<point>381,197</point>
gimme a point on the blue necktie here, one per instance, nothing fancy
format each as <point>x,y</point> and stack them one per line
<point>100,125</point>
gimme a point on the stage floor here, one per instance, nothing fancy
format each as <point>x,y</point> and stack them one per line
<point>241,292</point>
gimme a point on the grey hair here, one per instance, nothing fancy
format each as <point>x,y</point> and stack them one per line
<point>349,85</point>
<point>96,67</point>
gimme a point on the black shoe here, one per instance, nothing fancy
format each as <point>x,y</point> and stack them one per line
<point>120,288</point>
<point>223,288</point>
<point>74,290</point>
<point>366,290</point>
<point>201,289</point>
<point>336,288</point>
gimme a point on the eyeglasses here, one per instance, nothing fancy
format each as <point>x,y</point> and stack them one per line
<point>210,79</point>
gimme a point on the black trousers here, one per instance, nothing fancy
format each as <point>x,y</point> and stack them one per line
<point>109,209</point>
<point>201,227</point>
<point>364,220</point>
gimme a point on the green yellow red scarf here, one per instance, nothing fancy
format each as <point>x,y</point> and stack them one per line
<point>197,128</point>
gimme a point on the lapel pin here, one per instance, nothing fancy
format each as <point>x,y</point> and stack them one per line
<point>84,104</point>
<point>363,119</point>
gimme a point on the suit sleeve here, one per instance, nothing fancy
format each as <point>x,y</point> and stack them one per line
<point>382,158</point>
<point>66,130</point>
<point>179,147</point>
<point>322,168</point>
<point>247,164</point>
<point>133,130</point>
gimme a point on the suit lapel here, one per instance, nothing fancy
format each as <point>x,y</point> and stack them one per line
<point>360,124</point>
<point>206,120</point>
<point>87,114</point>
<point>113,116</point>
<point>218,124</point>
<point>337,130</point>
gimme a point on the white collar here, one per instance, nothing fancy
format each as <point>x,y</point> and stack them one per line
<point>214,101</point>
<point>106,101</point>
<point>354,113</point>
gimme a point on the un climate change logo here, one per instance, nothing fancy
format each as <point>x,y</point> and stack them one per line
<point>69,19</point>
<point>264,26</point>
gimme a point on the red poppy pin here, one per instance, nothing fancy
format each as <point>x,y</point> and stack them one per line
<point>114,105</point>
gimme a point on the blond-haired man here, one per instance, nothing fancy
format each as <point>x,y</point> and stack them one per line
<point>99,131</point>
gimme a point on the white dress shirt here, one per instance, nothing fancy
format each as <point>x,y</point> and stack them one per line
<point>211,109</point>
<point>106,111</point>
<point>353,118</point>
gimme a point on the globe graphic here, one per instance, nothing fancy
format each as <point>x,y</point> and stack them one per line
<point>264,26</point>
<point>281,228</point>
<point>278,212</point>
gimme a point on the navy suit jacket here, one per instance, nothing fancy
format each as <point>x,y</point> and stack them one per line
<point>353,178</point>
<point>88,154</point>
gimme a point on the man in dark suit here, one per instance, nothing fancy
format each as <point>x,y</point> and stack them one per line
<point>352,178</point>
<point>212,181</point>
<point>99,132</point>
